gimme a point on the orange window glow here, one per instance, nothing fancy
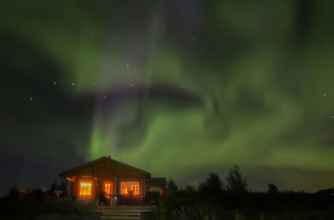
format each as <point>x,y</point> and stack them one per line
<point>85,189</point>
<point>130,188</point>
<point>108,188</point>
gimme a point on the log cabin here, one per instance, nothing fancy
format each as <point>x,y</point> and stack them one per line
<point>114,181</point>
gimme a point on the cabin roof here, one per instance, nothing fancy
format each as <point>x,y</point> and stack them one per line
<point>106,167</point>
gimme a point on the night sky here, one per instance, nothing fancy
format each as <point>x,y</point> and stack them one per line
<point>179,88</point>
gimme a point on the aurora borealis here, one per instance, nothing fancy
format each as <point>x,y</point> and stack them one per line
<point>179,88</point>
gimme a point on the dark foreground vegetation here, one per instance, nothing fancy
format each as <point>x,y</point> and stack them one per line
<point>195,205</point>
<point>39,205</point>
<point>214,200</point>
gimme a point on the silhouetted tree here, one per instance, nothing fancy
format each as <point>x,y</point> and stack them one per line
<point>272,189</point>
<point>63,187</point>
<point>304,19</point>
<point>53,186</point>
<point>213,184</point>
<point>190,189</point>
<point>236,183</point>
<point>171,187</point>
<point>58,185</point>
<point>14,193</point>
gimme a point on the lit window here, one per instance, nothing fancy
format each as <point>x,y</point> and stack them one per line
<point>85,189</point>
<point>130,188</point>
<point>108,188</point>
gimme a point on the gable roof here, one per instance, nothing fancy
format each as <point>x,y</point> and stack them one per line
<point>106,167</point>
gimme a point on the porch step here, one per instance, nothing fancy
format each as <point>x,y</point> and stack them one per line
<point>125,212</point>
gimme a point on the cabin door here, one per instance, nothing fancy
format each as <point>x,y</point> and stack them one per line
<point>108,188</point>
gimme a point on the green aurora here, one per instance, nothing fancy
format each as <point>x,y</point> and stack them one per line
<point>264,78</point>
